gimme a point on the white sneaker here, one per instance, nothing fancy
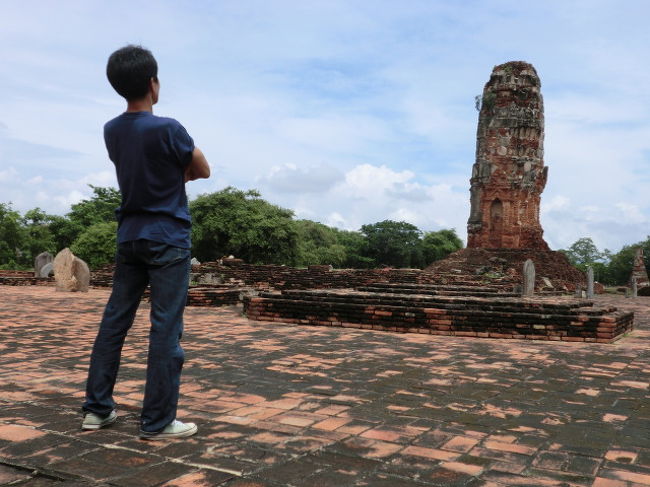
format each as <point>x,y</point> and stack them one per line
<point>94,421</point>
<point>175,429</point>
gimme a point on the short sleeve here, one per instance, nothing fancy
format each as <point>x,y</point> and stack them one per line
<point>108,141</point>
<point>182,145</point>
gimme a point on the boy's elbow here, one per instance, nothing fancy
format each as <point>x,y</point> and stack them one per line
<point>201,167</point>
<point>203,170</point>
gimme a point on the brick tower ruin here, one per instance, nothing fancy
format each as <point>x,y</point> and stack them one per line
<point>509,175</point>
<point>639,271</point>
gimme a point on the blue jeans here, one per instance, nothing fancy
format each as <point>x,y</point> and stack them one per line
<point>166,269</point>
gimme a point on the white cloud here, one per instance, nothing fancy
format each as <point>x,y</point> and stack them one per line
<point>370,194</point>
<point>368,181</point>
<point>7,175</point>
<point>293,179</point>
<point>69,198</point>
<point>631,213</point>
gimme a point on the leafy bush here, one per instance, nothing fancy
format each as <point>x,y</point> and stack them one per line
<point>97,244</point>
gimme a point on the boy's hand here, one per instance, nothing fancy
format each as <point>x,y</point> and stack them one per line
<point>198,167</point>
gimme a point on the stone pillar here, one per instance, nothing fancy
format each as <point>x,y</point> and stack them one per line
<point>70,272</point>
<point>528,288</point>
<point>634,287</point>
<point>590,283</point>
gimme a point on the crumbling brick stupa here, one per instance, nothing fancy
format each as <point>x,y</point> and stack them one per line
<point>509,175</point>
<point>639,272</point>
<point>507,181</point>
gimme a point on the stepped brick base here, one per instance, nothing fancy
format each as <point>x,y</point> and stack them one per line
<point>565,319</point>
<point>213,296</point>
<point>26,281</point>
<point>548,264</point>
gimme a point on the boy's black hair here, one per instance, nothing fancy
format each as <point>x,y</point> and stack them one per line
<point>129,70</point>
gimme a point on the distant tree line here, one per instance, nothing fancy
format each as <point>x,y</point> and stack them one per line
<point>609,268</point>
<point>227,222</point>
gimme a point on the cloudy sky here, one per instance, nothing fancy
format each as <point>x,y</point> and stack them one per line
<point>346,111</point>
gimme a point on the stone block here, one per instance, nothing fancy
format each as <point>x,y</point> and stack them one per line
<point>41,260</point>
<point>70,272</point>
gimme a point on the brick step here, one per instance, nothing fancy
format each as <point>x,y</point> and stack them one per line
<point>213,296</point>
<point>512,315</point>
<point>449,287</point>
<point>25,281</point>
<point>496,317</point>
<point>439,301</point>
<point>477,292</point>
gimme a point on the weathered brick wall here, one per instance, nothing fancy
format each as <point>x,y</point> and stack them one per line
<point>15,273</point>
<point>314,277</point>
<point>23,278</point>
<point>495,317</point>
<point>509,175</point>
<point>213,296</point>
<point>548,264</point>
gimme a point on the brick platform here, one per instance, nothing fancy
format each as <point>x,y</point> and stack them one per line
<point>23,278</point>
<point>296,406</point>
<point>314,277</point>
<point>564,319</point>
<point>213,296</point>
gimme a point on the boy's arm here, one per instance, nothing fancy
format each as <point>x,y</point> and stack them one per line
<point>198,168</point>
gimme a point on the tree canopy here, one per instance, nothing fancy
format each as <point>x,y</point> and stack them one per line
<point>609,268</point>
<point>438,245</point>
<point>241,223</point>
<point>226,222</point>
<point>394,244</point>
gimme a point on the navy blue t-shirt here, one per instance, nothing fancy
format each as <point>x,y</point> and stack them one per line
<point>150,154</point>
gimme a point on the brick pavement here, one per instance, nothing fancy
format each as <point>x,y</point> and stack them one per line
<point>282,405</point>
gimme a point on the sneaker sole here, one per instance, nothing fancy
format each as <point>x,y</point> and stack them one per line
<point>168,436</point>
<point>96,426</point>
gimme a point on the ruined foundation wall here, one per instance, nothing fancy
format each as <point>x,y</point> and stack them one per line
<point>559,319</point>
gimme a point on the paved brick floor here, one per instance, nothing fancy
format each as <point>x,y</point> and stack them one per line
<point>283,405</point>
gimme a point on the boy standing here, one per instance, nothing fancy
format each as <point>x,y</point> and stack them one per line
<point>153,157</point>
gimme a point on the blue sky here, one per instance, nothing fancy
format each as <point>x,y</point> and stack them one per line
<point>348,112</point>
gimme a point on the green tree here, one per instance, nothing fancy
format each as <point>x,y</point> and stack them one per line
<point>38,235</point>
<point>96,244</point>
<point>355,246</point>
<point>392,243</point>
<point>621,263</point>
<point>64,232</point>
<point>12,238</point>
<point>99,208</point>
<point>438,245</point>
<point>583,253</point>
<point>241,223</point>
<point>318,244</point>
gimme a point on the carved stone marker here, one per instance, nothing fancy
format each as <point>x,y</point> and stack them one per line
<point>46,270</point>
<point>195,261</point>
<point>634,287</point>
<point>590,283</point>
<point>529,279</point>
<point>41,259</point>
<point>509,175</point>
<point>71,273</point>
